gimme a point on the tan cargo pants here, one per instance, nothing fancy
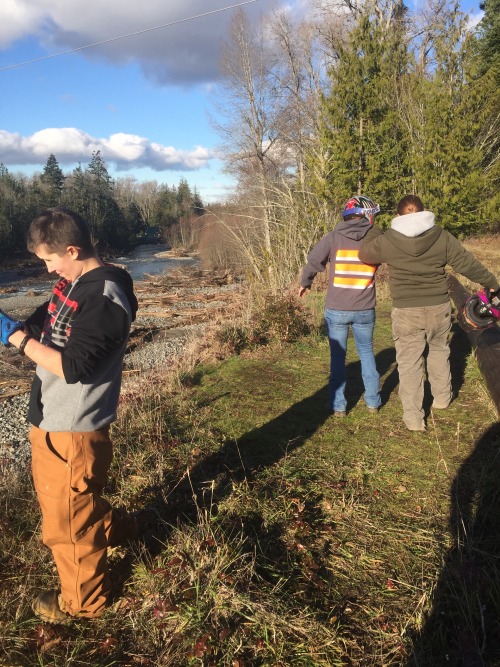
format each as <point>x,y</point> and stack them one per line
<point>78,524</point>
<point>413,329</point>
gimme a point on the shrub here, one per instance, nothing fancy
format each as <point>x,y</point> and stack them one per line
<point>283,320</point>
<point>234,338</point>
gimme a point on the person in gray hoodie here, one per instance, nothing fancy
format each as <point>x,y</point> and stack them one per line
<point>77,340</point>
<point>417,251</point>
<point>350,299</point>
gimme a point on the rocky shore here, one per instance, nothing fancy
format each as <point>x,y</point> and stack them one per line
<point>173,308</point>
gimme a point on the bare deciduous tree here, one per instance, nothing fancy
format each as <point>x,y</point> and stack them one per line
<point>272,78</point>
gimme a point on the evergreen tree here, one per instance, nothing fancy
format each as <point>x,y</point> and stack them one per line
<point>486,84</point>
<point>446,111</point>
<point>97,168</point>
<point>364,141</point>
<point>489,36</point>
<point>184,199</point>
<point>76,190</point>
<point>53,181</point>
<point>19,204</point>
<point>7,209</point>
<point>197,205</point>
<point>105,217</point>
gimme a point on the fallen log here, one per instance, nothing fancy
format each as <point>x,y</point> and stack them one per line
<point>166,314</point>
<point>486,344</point>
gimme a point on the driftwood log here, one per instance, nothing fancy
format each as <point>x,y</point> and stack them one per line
<point>486,344</point>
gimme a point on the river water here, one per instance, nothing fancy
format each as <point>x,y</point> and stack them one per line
<point>141,262</point>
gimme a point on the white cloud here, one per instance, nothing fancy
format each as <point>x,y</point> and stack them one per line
<point>184,53</point>
<point>124,151</point>
<point>18,19</point>
<point>474,19</point>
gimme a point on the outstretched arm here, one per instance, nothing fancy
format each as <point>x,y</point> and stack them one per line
<point>317,260</point>
<point>370,250</point>
<point>464,262</point>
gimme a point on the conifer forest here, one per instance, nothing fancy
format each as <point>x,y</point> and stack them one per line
<point>369,98</point>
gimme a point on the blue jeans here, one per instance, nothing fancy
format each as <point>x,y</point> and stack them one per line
<point>362,323</point>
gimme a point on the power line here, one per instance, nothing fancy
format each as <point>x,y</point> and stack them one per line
<point>132,34</point>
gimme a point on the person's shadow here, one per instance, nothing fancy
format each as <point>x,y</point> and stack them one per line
<point>180,495</point>
<point>261,447</point>
<point>265,445</point>
<point>460,349</point>
<point>179,498</point>
<point>463,627</point>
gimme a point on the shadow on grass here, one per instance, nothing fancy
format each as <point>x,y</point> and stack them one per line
<point>463,627</point>
<point>211,480</point>
<point>266,445</point>
<point>241,460</point>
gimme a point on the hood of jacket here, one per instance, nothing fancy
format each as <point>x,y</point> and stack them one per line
<point>114,274</point>
<point>414,233</point>
<point>413,224</point>
<point>354,229</point>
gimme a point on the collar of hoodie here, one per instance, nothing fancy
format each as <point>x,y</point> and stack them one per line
<point>413,224</point>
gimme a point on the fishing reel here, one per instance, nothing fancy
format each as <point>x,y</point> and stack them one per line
<point>480,311</point>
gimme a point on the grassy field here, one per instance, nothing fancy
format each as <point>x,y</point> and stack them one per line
<point>281,535</point>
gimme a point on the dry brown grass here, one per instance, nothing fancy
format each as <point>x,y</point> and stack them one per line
<point>286,538</point>
<point>487,250</point>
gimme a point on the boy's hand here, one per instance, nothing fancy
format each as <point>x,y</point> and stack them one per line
<point>302,290</point>
<point>8,326</point>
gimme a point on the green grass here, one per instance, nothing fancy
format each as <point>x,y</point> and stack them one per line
<point>288,537</point>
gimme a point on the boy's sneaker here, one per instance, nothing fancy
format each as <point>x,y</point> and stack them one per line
<point>372,411</point>
<point>49,607</point>
<point>339,414</point>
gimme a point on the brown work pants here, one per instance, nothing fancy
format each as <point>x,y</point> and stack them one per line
<point>78,524</point>
<point>413,329</point>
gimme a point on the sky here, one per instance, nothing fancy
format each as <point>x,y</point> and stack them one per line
<point>143,101</point>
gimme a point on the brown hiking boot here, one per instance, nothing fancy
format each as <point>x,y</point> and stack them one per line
<point>49,607</point>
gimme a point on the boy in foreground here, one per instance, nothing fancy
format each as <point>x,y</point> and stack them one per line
<point>78,340</point>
